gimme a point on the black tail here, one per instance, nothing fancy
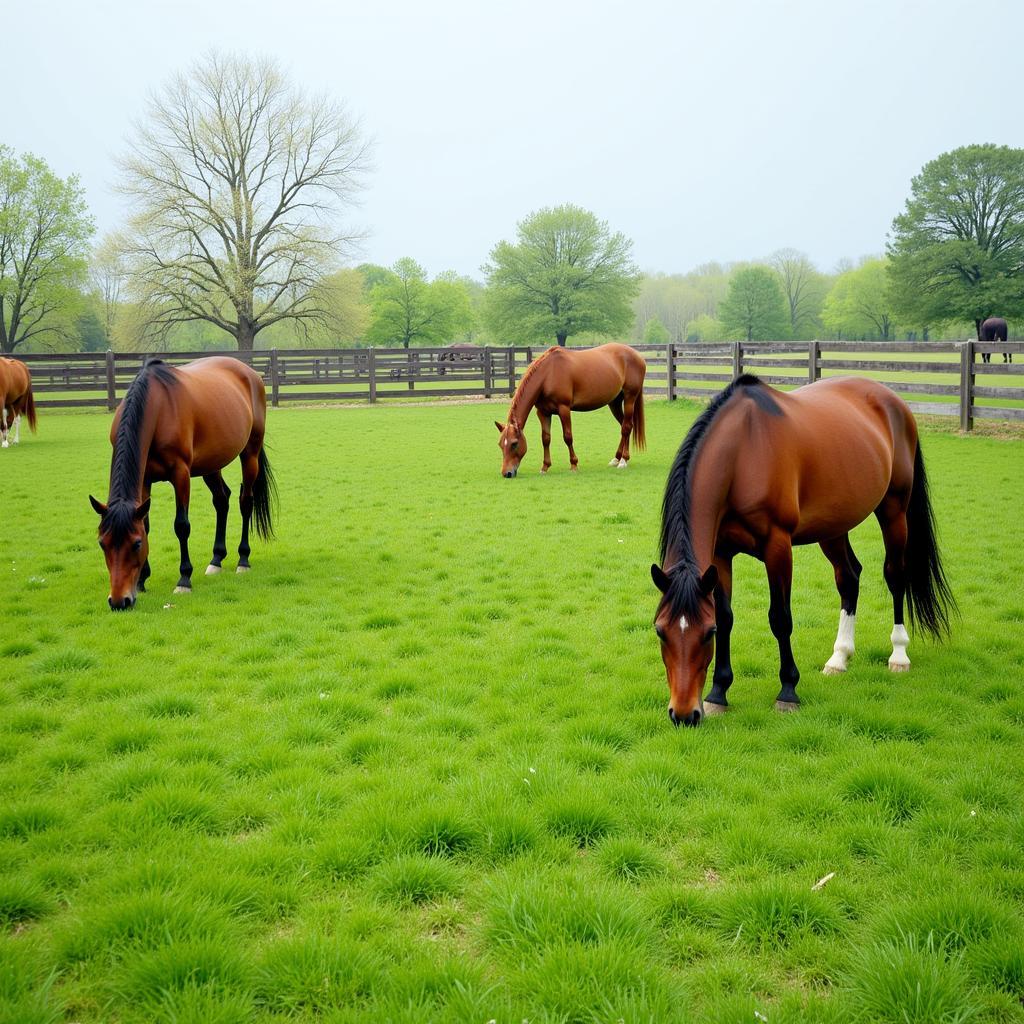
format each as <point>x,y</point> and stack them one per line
<point>929,599</point>
<point>264,497</point>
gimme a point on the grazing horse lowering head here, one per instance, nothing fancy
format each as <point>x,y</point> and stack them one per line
<point>685,624</point>
<point>513,446</point>
<point>125,543</point>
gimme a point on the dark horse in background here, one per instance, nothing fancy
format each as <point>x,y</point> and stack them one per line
<point>563,379</point>
<point>760,471</point>
<point>994,329</point>
<point>174,424</point>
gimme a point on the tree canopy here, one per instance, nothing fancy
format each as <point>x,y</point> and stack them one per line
<point>567,273</point>
<point>237,180</point>
<point>860,303</point>
<point>754,306</point>
<point>45,229</point>
<point>957,250</point>
<point>407,309</point>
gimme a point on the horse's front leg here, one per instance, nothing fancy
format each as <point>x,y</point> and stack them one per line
<point>565,415</point>
<point>778,561</point>
<point>3,426</point>
<point>545,438</point>
<point>715,701</point>
<point>182,528</point>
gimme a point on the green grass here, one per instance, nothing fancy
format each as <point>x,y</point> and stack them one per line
<point>416,765</point>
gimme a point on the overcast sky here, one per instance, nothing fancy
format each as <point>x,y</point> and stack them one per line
<point>714,131</point>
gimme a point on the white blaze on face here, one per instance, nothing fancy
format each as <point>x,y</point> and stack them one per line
<point>682,623</point>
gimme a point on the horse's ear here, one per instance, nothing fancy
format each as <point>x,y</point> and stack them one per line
<point>98,507</point>
<point>709,580</point>
<point>143,510</point>
<point>500,426</point>
<point>661,580</point>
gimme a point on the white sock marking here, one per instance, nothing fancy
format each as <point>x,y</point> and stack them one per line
<point>17,429</point>
<point>843,649</point>
<point>898,660</point>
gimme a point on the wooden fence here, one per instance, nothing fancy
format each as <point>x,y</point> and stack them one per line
<point>939,378</point>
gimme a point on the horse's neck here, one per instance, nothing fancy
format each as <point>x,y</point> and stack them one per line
<point>127,482</point>
<point>709,489</point>
<point>526,396</point>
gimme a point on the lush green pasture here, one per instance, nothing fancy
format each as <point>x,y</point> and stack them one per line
<point>416,765</point>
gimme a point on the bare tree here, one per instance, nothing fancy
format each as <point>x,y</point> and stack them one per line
<point>108,271</point>
<point>802,286</point>
<point>237,181</point>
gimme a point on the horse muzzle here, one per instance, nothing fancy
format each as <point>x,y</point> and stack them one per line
<point>692,719</point>
<point>510,473</point>
<point>122,604</point>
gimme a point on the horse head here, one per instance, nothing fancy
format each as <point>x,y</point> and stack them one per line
<point>125,543</point>
<point>513,446</point>
<point>685,624</point>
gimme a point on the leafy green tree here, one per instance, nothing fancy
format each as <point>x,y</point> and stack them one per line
<point>108,274</point>
<point>957,250</point>
<point>565,274</point>
<point>859,303</point>
<point>755,307</point>
<point>706,328</point>
<point>238,181</point>
<point>45,229</point>
<point>655,332</point>
<point>407,309</point>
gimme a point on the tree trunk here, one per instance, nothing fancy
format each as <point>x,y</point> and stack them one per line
<point>977,327</point>
<point>561,339</point>
<point>245,335</point>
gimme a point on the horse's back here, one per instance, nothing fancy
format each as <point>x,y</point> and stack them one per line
<point>15,380</point>
<point>595,376</point>
<point>833,449</point>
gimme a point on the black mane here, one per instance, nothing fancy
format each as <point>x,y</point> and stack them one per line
<point>684,594</point>
<point>125,465</point>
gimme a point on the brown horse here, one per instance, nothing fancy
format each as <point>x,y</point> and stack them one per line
<point>174,424</point>
<point>563,379</point>
<point>760,471</point>
<point>15,399</point>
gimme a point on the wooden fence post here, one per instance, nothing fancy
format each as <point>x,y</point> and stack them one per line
<point>737,359</point>
<point>488,372</point>
<point>511,370</point>
<point>275,380</point>
<point>670,370</point>
<point>967,386</point>
<point>111,391</point>
<point>371,369</point>
<point>813,360</point>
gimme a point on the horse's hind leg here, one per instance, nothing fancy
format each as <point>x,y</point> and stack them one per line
<point>892,517</point>
<point>616,407</point>
<point>3,426</point>
<point>565,415</point>
<point>250,470</point>
<point>847,571</point>
<point>221,502</point>
<point>778,561</point>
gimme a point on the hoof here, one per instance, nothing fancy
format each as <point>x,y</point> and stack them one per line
<point>242,568</point>
<point>543,470</point>
<point>899,666</point>
<point>614,462</point>
<point>714,709</point>
<point>623,463</point>
<point>182,590</point>
<point>5,445</point>
<point>786,706</point>
<point>574,469</point>
<point>212,570</point>
<point>832,670</point>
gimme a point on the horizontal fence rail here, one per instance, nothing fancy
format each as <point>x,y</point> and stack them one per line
<point>937,378</point>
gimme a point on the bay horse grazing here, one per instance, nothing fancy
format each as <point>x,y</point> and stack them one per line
<point>760,471</point>
<point>994,329</point>
<point>16,399</point>
<point>560,380</point>
<point>174,424</point>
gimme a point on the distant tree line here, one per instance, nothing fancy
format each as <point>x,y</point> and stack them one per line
<point>239,183</point>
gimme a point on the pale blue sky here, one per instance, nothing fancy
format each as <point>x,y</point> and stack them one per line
<point>718,131</point>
